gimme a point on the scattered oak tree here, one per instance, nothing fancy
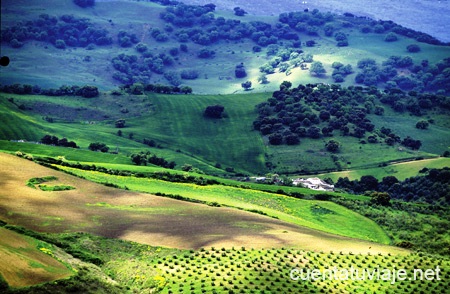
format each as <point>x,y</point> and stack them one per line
<point>120,123</point>
<point>214,111</point>
<point>317,69</point>
<point>97,146</point>
<point>333,145</point>
<point>247,85</point>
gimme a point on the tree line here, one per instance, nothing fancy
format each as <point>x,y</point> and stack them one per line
<point>422,77</point>
<point>55,141</point>
<point>66,30</point>
<point>144,158</point>
<point>432,186</point>
<point>86,91</point>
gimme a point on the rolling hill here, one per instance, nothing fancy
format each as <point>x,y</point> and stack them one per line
<point>169,202</point>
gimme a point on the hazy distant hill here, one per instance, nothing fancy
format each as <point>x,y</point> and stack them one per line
<point>428,16</point>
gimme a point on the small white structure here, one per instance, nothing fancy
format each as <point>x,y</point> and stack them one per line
<point>260,179</point>
<point>313,183</point>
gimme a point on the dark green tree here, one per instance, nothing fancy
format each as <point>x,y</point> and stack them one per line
<point>120,123</point>
<point>317,69</point>
<point>380,198</point>
<point>422,124</point>
<point>247,85</point>
<point>97,146</point>
<point>333,145</point>
<point>214,111</point>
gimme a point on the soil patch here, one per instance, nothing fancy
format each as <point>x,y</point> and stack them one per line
<point>149,219</point>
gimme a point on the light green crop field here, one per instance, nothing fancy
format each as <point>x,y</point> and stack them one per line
<point>290,271</point>
<point>400,170</point>
<point>320,215</point>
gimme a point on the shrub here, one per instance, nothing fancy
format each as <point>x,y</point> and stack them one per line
<point>60,44</point>
<point>391,37</point>
<point>413,48</point>
<point>189,74</point>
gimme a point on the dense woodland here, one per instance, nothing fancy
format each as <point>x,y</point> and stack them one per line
<point>318,110</point>
<point>432,186</point>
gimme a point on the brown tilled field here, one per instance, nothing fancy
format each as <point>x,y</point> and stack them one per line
<point>22,264</point>
<point>146,218</point>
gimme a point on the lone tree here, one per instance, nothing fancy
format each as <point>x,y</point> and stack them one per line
<point>97,146</point>
<point>214,111</point>
<point>317,69</point>
<point>239,71</point>
<point>333,145</point>
<point>247,85</point>
<point>422,125</point>
<point>120,123</point>
<point>239,11</point>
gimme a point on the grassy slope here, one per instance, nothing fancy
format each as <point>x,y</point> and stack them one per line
<point>179,123</point>
<point>320,215</point>
<point>31,265</point>
<point>176,122</point>
<point>57,67</point>
<point>400,170</point>
<point>166,222</point>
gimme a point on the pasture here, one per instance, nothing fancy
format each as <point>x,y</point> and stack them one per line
<point>57,67</point>
<point>319,215</point>
<point>156,220</point>
<point>400,170</point>
<point>177,125</point>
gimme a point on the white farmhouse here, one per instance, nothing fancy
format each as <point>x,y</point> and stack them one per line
<point>313,183</point>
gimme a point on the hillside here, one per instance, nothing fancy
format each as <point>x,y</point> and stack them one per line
<point>32,263</point>
<point>107,211</point>
<point>230,145</point>
<point>152,146</point>
<point>231,40</point>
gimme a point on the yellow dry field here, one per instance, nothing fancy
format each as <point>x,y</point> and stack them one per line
<point>149,219</point>
<point>23,264</point>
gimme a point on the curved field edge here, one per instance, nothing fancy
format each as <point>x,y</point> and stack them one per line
<point>26,261</point>
<point>318,215</point>
<point>176,123</point>
<point>150,219</point>
<point>137,268</point>
<point>400,170</point>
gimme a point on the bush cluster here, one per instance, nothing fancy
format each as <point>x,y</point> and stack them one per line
<point>432,187</point>
<point>55,141</point>
<point>67,30</point>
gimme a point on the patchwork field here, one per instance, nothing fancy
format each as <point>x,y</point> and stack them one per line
<point>148,219</point>
<point>25,263</point>
<point>401,170</point>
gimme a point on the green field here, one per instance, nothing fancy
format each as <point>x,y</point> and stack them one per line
<point>78,221</point>
<point>176,123</point>
<point>400,170</point>
<point>318,215</point>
